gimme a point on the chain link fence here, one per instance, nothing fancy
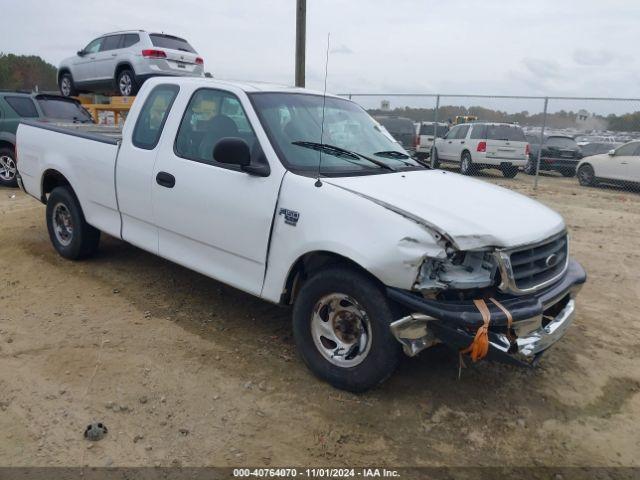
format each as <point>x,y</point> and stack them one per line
<point>550,141</point>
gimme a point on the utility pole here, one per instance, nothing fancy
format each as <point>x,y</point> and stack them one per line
<point>301,35</point>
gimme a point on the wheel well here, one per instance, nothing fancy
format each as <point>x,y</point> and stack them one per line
<point>5,144</point>
<point>61,72</point>
<point>121,67</point>
<point>310,263</point>
<point>466,150</point>
<point>50,180</point>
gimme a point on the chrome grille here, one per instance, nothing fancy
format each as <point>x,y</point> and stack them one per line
<point>531,268</point>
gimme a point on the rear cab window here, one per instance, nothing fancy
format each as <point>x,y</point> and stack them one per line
<point>23,106</point>
<point>153,116</point>
<point>508,133</point>
<point>170,42</point>
<point>63,109</point>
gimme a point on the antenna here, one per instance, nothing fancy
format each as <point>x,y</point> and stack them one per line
<point>324,101</point>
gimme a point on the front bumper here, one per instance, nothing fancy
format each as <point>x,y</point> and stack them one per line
<point>539,320</point>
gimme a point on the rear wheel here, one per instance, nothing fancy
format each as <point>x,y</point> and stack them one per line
<point>509,171</point>
<point>69,232</point>
<point>8,168</point>
<point>67,88</point>
<point>466,164</point>
<point>126,83</point>
<point>341,324</point>
<point>586,175</point>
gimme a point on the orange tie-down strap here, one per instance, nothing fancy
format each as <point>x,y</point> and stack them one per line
<point>480,345</point>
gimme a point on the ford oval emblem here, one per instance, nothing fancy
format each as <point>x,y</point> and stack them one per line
<point>551,260</point>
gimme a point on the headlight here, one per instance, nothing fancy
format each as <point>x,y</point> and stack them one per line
<point>460,270</point>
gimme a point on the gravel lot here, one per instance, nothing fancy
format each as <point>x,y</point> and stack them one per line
<point>186,371</point>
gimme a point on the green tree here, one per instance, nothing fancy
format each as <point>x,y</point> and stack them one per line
<point>26,72</point>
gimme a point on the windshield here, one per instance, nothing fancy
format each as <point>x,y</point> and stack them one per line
<point>562,142</point>
<point>62,109</point>
<point>293,123</point>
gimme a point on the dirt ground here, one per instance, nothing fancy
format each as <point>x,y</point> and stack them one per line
<point>186,371</point>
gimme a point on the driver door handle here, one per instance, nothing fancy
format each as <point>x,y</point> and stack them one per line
<point>165,179</point>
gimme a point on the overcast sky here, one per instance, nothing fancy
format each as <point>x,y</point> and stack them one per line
<point>528,47</point>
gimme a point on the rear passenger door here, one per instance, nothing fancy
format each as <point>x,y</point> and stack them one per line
<point>107,58</point>
<point>134,169</point>
<point>215,218</point>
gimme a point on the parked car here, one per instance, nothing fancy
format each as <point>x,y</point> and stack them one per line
<point>427,131</point>
<point>475,146</point>
<point>585,139</point>
<point>17,106</point>
<point>402,129</point>
<point>597,148</point>
<point>620,166</point>
<point>560,153</point>
<point>376,253</point>
<point>121,62</point>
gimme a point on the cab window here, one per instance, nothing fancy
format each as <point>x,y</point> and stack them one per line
<point>94,46</point>
<point>112,42</point>
<point>153,116</point>
<point>210,116</point>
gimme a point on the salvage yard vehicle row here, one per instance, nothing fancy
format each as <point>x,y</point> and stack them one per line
<point>303,199</point>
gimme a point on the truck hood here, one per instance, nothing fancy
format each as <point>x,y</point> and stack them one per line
<point>470,212</point>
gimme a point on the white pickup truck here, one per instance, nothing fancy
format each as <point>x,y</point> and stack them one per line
<point>301,199</point>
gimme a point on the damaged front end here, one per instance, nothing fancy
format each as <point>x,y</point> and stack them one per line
<point>536,284</point>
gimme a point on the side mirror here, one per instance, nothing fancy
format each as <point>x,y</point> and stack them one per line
<point>81,53</point>
<point>235,151</point>
<point>611,153</point>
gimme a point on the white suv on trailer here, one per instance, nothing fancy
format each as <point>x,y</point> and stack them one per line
<point>476,146</point>
<point>122,61</point>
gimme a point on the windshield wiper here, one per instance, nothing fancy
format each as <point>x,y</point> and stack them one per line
<point>341,152</point>
<point>396,155</point>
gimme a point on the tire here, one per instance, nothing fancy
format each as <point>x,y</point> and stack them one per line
<point>126,84</point>
<point>568,172</point>
<point>8,168</point>
<point>376,353</point>
<point>70,234</point>
<point>66,85</point>
<point>466,164</point>
<point>530,167</point>
<point>509,172</point>
<point>435,160</point>
<point>586,176</point>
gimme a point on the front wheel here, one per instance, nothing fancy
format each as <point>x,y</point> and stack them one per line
<point>586,175</point>
<point>69,232</point>
<point>341,328</point>
<point>127,84</point>
<point>8,168</point>
<point>66,86</point>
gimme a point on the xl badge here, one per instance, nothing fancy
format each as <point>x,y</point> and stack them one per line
<point>291,217</point>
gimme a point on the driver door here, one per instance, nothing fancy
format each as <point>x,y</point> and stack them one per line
<point>85,66</point>
<point>213,217</point>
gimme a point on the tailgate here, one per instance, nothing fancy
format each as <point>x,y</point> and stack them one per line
<point>511,150</point>
<point>181,61</point>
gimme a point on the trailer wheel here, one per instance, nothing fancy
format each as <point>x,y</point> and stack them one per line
<point>341,328</point>
<point>70,234</point>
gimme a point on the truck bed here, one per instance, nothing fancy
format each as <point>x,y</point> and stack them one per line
<point>113,133</point>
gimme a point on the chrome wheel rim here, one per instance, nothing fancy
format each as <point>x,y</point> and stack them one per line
<point>125,84</point>
<point>7,167</point>
<point>341,330</point>
<point>62,224</point>
<point>65,86</point>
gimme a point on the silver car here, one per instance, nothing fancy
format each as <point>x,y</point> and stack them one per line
<point>120,62</point>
